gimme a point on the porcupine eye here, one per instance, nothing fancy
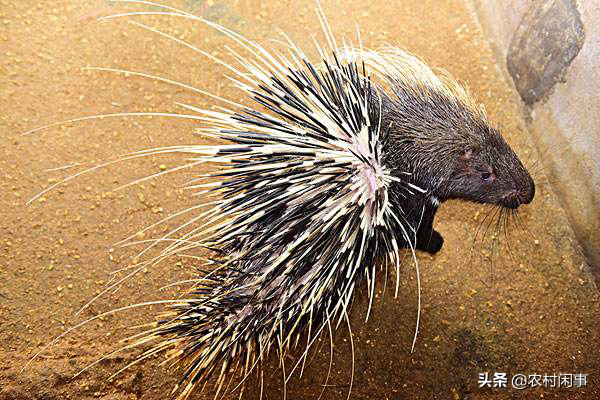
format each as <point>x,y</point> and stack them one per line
<point>486,173</point>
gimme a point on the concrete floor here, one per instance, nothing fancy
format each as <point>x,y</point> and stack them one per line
<point>518,304</point>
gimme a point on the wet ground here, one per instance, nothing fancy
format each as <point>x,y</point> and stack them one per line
<point>520,303</point>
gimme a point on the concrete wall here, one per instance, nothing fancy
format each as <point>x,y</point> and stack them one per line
<point>550,50</point>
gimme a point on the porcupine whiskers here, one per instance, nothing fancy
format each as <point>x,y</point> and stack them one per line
<point>482,229</point>
<point>496,220</point>
<point>506,217</point>
<point>494,239</point>
<point>510,217</point>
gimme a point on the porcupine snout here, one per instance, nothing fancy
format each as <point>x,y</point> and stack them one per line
<point>515,198</point>
<point>523,192</point>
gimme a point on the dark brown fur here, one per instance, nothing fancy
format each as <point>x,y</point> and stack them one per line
<point>452,152</point>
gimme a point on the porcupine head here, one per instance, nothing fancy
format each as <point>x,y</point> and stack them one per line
<point>449,149</point>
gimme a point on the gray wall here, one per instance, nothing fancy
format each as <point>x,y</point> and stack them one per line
<point>550,50</point>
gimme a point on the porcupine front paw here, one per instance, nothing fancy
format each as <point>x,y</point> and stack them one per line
<point>431,243</point>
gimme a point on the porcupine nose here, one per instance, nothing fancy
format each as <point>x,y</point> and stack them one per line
<point>528,193</point>
<point>516,197</point>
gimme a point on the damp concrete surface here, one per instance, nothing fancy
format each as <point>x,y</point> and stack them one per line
<point>518,300</point>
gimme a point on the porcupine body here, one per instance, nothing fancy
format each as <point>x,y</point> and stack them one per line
<point>339,165</point>
<point>340,171</point>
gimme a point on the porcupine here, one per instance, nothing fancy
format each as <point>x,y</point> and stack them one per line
<point>290,265</point>
<point>339,165</point>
